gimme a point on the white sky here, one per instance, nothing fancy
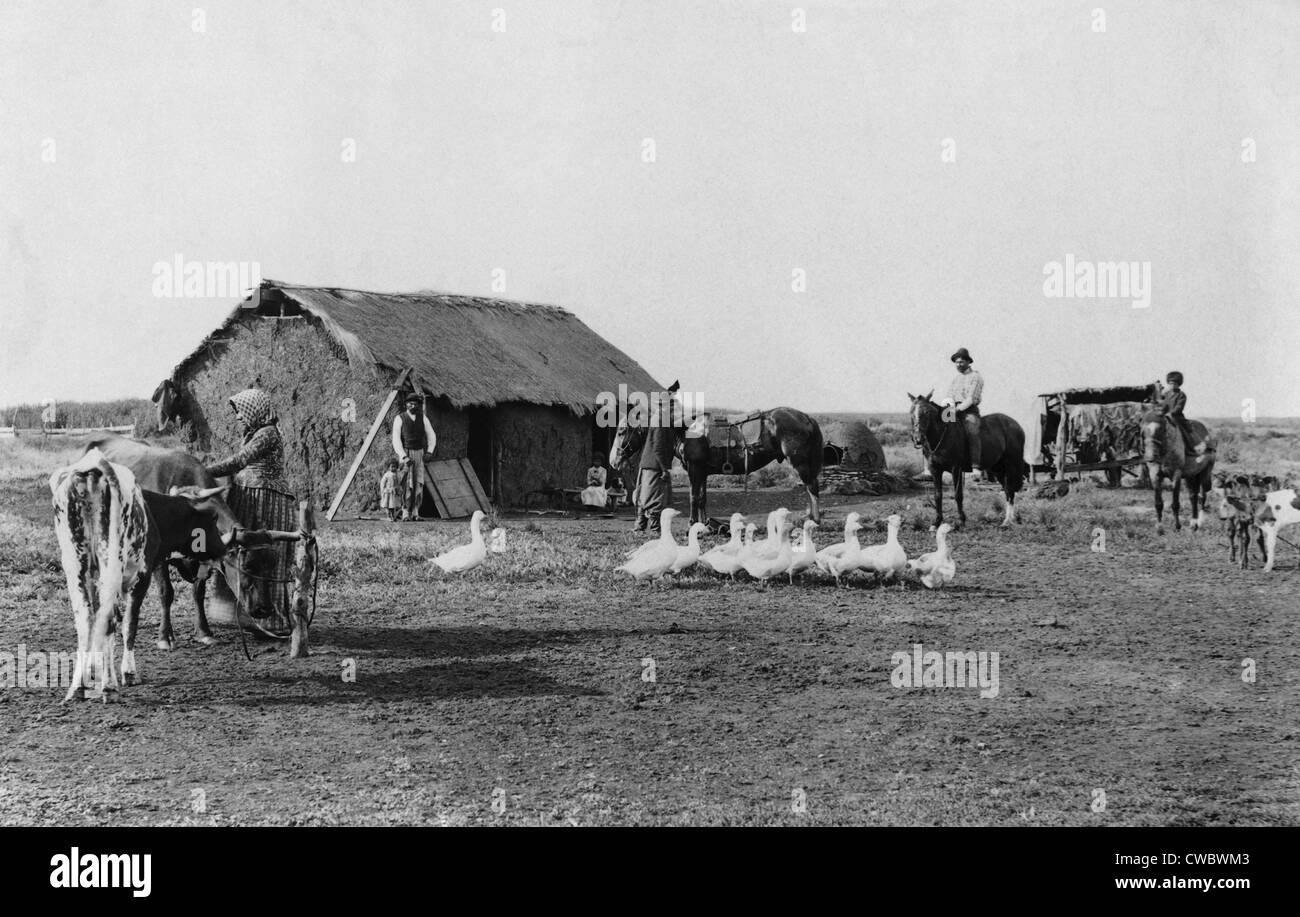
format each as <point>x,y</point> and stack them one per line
<point>522,150</point>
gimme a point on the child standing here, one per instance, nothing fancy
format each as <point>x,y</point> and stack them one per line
<point>388,490</point>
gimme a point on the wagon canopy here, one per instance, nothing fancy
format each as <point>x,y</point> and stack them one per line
<point>1101,421</point>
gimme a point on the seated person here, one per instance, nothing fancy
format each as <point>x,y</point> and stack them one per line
<point>595,493</point>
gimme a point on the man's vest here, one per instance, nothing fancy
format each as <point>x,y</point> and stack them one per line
<point>413,435</point>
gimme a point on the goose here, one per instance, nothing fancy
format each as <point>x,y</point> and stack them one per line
<point>771,546</point>
<point>467,556</point>
<point>835,550</point>
<point>747,549</point>
<point>654,558</point>
<point>806,557</point>
<point>764,568</point>
<point>650,545</point>
<point>937,568</point>
<point>729,550</point>
<point>850,558</point>
<point>688,556</point>
<point>889,560</point>
<point>737,528</point>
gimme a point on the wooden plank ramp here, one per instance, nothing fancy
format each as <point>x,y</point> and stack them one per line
<point>455,488</point>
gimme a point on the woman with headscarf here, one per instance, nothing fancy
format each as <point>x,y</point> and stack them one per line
<point>260,497</point>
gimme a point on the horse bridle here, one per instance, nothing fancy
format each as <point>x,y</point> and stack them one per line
<point>919,441</point>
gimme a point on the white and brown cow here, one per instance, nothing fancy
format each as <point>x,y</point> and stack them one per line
<point>103,529</point>
<point>1281,508</point>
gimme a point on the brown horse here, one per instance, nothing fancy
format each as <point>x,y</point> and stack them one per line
<point>1166,456</point>
<point>941,437</point>
<point>784,434</point>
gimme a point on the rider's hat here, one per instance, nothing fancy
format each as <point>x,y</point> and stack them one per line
<point>962,354</point>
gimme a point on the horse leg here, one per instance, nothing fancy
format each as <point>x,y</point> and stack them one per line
<point>959,494</point>
<point>1010,484</point>
<point>1158,484</point>
<point>1178,489</point>
<point>809,478</point>
<point>699,493</point>
<point>936,473</point>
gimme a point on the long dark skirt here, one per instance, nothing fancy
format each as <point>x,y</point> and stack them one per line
<point>268,508</point>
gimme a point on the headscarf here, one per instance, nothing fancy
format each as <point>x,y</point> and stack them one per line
<point>253,408</point>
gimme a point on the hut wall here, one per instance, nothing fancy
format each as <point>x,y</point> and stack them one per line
<point>308,379</point>
<point>538,446</point>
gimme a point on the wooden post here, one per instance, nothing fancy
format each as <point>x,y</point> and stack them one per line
<point>304,560</point>
<point>1061,437</point>
<point>365,446</point>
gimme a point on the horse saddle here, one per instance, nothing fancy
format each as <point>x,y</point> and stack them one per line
<point>744,430</point>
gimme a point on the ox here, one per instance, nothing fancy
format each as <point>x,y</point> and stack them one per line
<point>193,521</point>
<point>105,540</point>
<point>1281,508</point>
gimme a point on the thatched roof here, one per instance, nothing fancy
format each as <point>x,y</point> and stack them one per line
<point>1106,394</point>
<point>472,350</point>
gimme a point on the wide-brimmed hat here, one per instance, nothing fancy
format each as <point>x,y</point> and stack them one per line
<point>962,354</point>
<point>412,396</point>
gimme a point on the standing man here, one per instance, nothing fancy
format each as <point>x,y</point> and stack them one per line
<point>654,487</point>
<point>413,439</point>
<point>964,396</point>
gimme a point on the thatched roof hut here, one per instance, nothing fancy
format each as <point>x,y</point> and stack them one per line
<point>511,386</point>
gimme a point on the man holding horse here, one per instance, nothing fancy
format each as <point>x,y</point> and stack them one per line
<point>964,397</point>
<point>654,486</point>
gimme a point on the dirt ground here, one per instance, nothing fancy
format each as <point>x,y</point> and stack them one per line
<point>519,694</point>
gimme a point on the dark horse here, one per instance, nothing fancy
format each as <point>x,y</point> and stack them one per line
<point>1165,455</point>
<point>784,433</point>
<point>940,436</point>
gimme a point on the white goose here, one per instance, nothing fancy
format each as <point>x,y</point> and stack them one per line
<point>850,558</point>
<point>805,558</point>
<point>731,548</point>
<point>467,556</point>
<point>655,557</point>
<point>764,568</point>
<point>889,560</point>
<point>747,549</point>
<point>937,568</point>
<point>771,546</point>
<point>688,556</point>
<point>835,550</point>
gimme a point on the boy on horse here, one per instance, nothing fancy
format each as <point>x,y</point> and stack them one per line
<point>964,396</point>
<point>1172,403</point>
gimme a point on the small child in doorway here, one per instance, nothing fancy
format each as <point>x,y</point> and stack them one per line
<point>388,498</point>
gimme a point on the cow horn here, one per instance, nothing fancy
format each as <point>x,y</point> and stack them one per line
<point>209,492</point>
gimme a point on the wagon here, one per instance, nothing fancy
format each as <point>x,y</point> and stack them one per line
<point>1092,429</point>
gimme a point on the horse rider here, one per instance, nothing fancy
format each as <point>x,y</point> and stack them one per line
<point>1172,402</point>
<point>964,396</point>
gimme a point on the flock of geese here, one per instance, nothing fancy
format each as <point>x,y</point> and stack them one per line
<point>776,555</point>
<point>762,559</point>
